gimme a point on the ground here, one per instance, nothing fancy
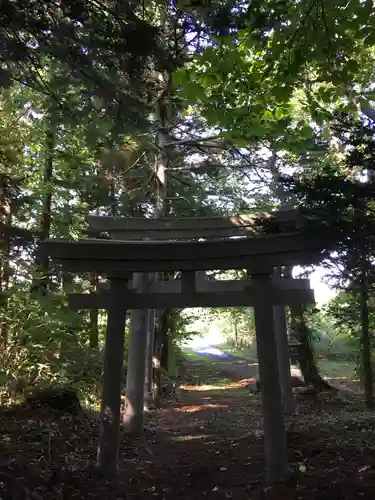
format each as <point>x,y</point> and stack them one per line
<point>208,445</point>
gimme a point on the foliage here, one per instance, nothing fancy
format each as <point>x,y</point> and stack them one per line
<point>48,344</point>
<point>237,326</point>
<point>330,341</point>
<point>341,204</point>
<point>344,310</point>
<point>107,42</point>
<point>269,74</point>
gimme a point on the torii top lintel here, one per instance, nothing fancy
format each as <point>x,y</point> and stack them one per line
<point>185,228</point>
<point>173,244</point>
<point>257,254</point>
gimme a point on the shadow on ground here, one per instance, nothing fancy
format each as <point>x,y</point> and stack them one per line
<point>208,445</point>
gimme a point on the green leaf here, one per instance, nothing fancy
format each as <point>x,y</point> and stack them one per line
<point>281,113</point>
<point>370,95</point>
<point>241,142</point>
<point>180,77</point>
<point>369,41</point>
<point>267,115</point>
<point>365,104</point>
<point>194,91</point>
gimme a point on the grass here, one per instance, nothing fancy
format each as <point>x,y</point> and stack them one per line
<point>337,369</point>
<point>193,356</point>
<point>206,370</point>
<point>328,368</point>
<point>248,353</point>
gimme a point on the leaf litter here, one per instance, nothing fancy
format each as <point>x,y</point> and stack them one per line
<point>207,446</point>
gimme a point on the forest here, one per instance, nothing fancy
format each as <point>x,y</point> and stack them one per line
<point>180,108</point>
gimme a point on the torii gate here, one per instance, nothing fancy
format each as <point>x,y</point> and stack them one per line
<point>259,254</point>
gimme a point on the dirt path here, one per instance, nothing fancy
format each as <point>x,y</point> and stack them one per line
<point>220,365</point>
<point>208,445</point>
<point>212,442</point>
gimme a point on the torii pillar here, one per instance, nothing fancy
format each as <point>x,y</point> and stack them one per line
<point>272,403</point>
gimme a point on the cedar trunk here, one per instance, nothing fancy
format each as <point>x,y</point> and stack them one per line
<point>93,318</point>
<point>6,219</point>
<point>161,331</point>
<point>306,358</point>
<point>42,261</point>
<point>368,381</point>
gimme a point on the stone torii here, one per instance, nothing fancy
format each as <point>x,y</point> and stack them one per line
<point>259,255</point>
<point>187,228</point>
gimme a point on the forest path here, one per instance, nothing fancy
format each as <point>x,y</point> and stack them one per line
<point>212,445</point>
<point>209,444</point>
<point>206,445</point>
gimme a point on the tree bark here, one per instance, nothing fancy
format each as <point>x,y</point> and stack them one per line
<point>368,379</point>
<point>281,332</point>
<point>306,358</point>
<point>94,333</point>
<point>149,396</point>
<point>94,318</point>
<point>6,219</point>
<point>42,262</point>
<point>235,327</point>
<point>160,332</point>
<point>283,359</point>
<point>165,351</point>
<point>133,420</point>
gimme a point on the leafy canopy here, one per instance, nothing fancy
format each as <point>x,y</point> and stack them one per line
<point>282,64</point>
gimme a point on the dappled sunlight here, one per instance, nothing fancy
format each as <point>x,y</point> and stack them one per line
<point>244,362</point>
<point>195,408</point>
<point>213,337</point>
<point>339,378</point>
<point>295,371</point>
<point>190,437</point>
<point>240,384</point>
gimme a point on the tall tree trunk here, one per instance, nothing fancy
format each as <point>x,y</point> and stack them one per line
<point>235,328</point>
<point>94,318</point>
<point>164,359</point>
<point>368,379</point>
<point>67,282</point>
<point>67,285</point>
<point>161,210</point>
<point>112,195</point>
<point>94,282</point>
<point>281,333</point>
<point>5,271</point>
<point>149,360</point>
<point>42,263</point>
<point>135,380</point>
<point>6,220</point>
<point>160,334</point>
<point>306,358</point>
<point>307,362</point>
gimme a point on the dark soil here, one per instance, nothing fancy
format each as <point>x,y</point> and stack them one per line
<point>209,445</point>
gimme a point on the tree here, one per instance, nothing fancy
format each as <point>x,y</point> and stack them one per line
<point>270,75</point>
<point>343,206</point>
<point>77,103</point>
